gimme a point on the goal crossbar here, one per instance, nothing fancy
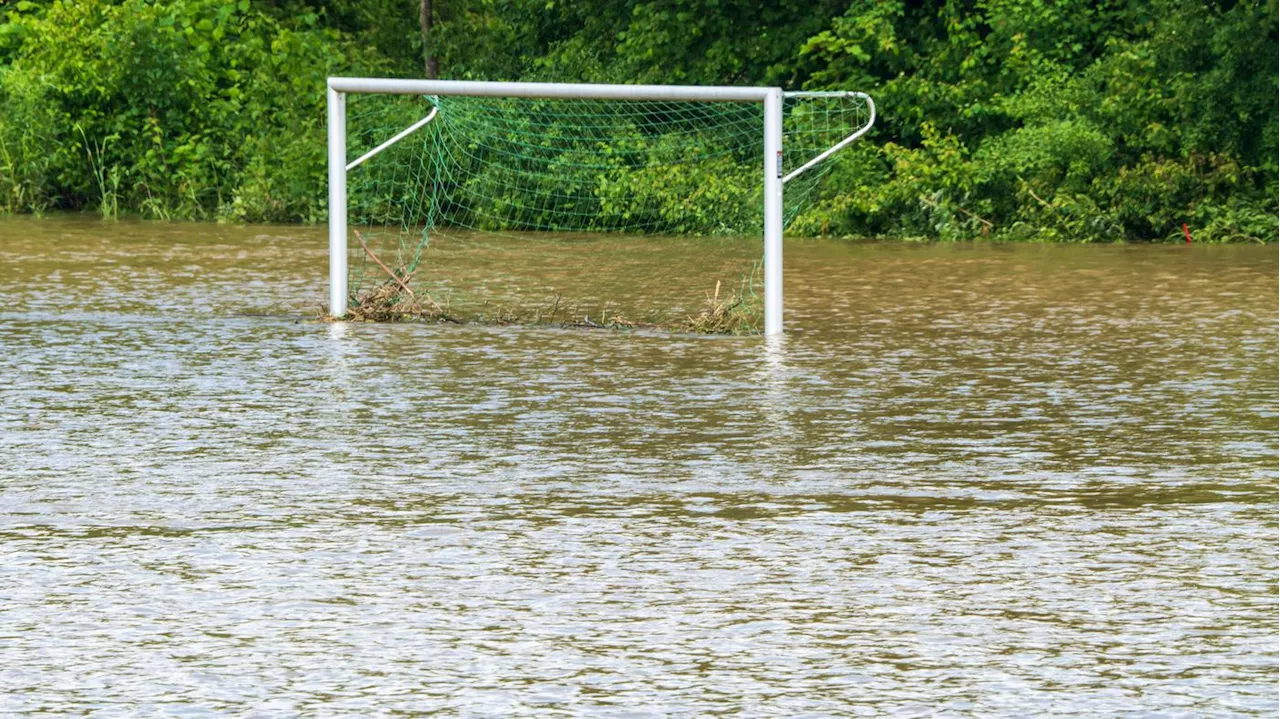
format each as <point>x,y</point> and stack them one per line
<point>770,97</point>
<point>549,90</point>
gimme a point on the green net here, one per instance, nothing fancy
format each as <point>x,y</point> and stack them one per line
<point>506,204</point>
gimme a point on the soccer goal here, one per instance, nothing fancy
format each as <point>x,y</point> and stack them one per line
<point>411,159</point>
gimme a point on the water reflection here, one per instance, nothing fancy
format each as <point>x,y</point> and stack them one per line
<point>1038,480</point>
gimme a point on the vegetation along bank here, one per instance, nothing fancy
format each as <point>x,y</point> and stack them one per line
<point>1017,119</point>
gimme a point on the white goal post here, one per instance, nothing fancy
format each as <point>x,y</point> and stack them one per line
<point>770,97</point>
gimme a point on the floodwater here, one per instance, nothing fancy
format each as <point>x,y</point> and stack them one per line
<point>976,480</point>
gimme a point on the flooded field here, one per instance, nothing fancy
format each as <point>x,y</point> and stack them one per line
<point>972,480</point>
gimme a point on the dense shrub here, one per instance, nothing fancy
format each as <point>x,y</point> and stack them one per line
<point>183,109</point>
<point>1078,121</point>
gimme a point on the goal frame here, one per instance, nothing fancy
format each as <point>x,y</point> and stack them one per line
<point>770,97</point>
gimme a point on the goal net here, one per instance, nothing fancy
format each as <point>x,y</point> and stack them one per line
<point>471,202</point>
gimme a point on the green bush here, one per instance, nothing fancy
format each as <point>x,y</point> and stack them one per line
<point>184,109</point>
<point>1069,121</point>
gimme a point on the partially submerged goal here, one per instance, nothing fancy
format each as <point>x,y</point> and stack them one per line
<point>529,157</point>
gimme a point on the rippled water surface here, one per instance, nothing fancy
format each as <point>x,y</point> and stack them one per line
<point>974,481</point>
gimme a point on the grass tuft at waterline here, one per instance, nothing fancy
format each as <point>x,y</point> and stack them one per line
<point>393,302</point>
<point>739,313</point>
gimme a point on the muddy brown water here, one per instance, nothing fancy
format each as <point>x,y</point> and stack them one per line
<point>975,480</point>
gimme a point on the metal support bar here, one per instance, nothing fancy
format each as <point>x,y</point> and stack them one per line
<point>337,204</point>
<point>773,212</point>
<point>839,145</point>
<point>402,134</point>
<point>569,91</point>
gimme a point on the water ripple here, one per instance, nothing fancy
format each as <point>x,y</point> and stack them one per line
<point>976,481</point>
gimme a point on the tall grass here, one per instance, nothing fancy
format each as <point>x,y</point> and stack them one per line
<point>107,179</point>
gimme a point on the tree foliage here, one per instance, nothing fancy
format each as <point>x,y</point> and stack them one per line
<point>1040,119</point>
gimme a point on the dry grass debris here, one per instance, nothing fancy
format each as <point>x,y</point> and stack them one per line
<point>735,314</point>
<point>394,300</point>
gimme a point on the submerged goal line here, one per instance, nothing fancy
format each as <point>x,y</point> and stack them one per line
<point>771,100</point>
